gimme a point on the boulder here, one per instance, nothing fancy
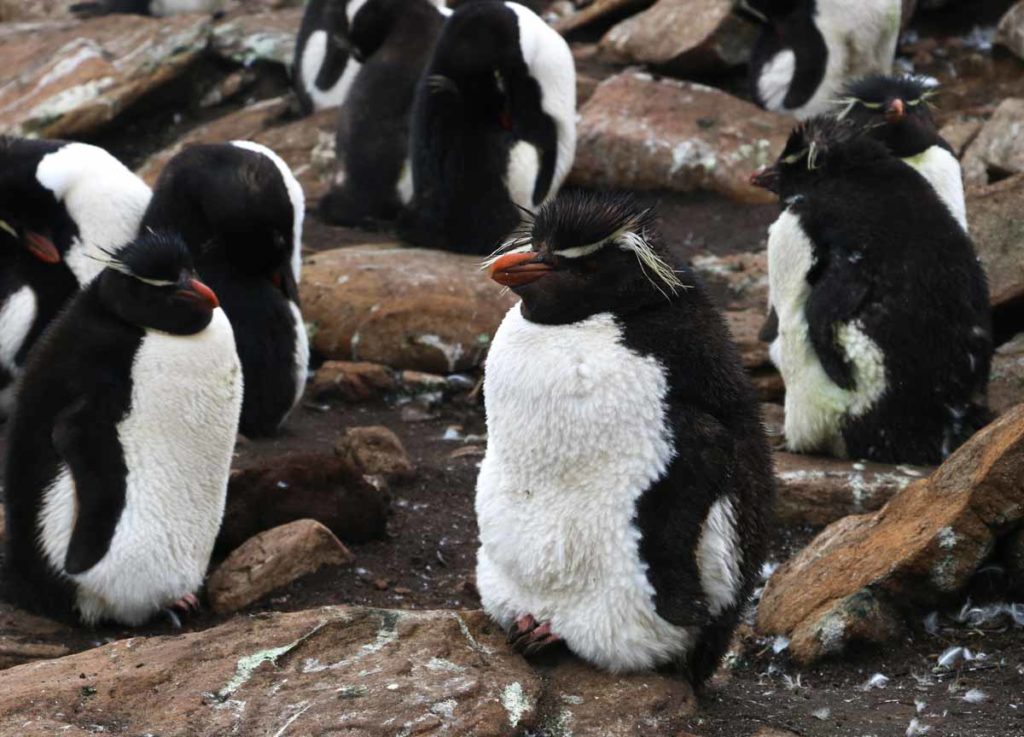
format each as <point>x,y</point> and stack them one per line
<point>1006,380</point>
<point>1010,32</point>
<point>258,37</point>
<point>737,281</point>
<point>344,670</point>
<point>638,132</point>
<point>683,37</point>
<point>307,145</point>
<point>998,149</point>
<point>596,11</point>
<point>855,580</point>
<point>271,560</point>
<point>960,132</point>
<point>283,489</point>
<point>407,308</point>
<point>376,451</point>
<point>998,233</point>
<point>351,381</point>
<point>816,491</point>
<point>66,81</point>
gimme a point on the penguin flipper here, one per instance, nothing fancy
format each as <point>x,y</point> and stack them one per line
<point>837,297</point>
<point>81,441</point>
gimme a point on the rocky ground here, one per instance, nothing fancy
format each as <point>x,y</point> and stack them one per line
<point>891,622</point>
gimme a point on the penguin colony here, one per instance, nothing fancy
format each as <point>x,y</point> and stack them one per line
<point>613,385</point>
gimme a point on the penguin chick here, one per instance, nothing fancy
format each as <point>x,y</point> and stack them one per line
<point>240,210</point>
<point>323,65</point>
<point>121,442</point>
<point>493,130</point>
<point>895,111</point>
<point>885,336</point>
<point>808,49</point>
<point>158,8</point>
<point>624,497</point>
<point>63,206</point>
<point>392,40</point>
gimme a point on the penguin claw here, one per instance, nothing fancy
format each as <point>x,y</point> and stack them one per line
<point>173,618</point>
<point>188,604</point>
<point>528,636</point>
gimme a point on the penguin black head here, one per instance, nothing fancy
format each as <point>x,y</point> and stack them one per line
<point>586,254</point>
<point>30,213</point>
<point>895,111</point>
<point>152,283</point>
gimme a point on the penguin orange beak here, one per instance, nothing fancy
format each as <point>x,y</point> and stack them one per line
<point>42,248</point>
<point>767,177</point>
<point>202,293</point>
<point>894,113</point>
<point>517,269</point>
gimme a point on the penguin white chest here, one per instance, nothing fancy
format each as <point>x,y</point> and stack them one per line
<point>521,177</point>
<point>313,56</point>
<point>577,431</point>
<point>17,316</point>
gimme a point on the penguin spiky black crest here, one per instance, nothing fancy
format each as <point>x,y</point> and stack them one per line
<point>155,258</point>
<point>874,90</point>
<point>815,139</point>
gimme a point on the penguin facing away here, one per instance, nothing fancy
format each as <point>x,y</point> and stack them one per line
<point>808,49</point>
<point>885,336</point>
<point>323,67</point>
<point>63,207</point>
<point>895,111</point>
<point>158,8</point>
<point>392,40</point>
<point>240,210</point>
<point>624,499</point>
<point>120,446</point>
<point>494,127</point>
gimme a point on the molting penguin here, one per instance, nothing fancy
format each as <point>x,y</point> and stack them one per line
<point>624,497</point>
<point>120,446</point>
<point>494,127</point>
<point>240,210</point>
<point>392,39</point>
<point>63,206</point>
<point>323,67</point>
<point>895,111</point>
<point>159,8</point>
<point>808,49</point>
<point>885,333</point>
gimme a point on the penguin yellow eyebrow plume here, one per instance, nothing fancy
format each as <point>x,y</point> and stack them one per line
<point>6,227</point>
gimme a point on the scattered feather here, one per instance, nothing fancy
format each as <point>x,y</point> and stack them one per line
<point>931,623</point>
<point>919,706</point>
<point>791,683</point>
<point>916,728</point>
<point>823,713</point>
<point>878,680</point>
<point>975,696</point>
<point>780,643</point>
<point>952,656</point>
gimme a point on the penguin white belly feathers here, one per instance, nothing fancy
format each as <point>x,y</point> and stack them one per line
<point>177,440</point>
<point>17,315</point>
<point>312,59</point>
<point>775,78</point>
<point>523,168</point>
<point>942,170</point>
<point>815,406</point>
<point>551,390</point>
<point>301,351</point>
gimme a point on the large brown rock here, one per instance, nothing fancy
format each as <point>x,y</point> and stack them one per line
<point>637,132</point>
<point>998,232</point>
<point>850,583</point>
<point>258,37</point>
<point>814,490</point>
<point>1010,32</point>
<point>407,308</point>
<point>683,37</point>
<point>69,80</point>
<point>1006,381</point>
<point>351,381</point>
<point>271,560</point>
<point>25,637</point>
<point>307,145</point>
<point>279,490</point>
<point>737,281</point>
<point>335,670</point>
<point>594,12</point>
<point>376,451</point>
<point>999,147</point>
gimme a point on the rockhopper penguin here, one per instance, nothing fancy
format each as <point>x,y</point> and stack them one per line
<point>120,445</point>
<point>63,206</point>
<point>626,491</point>
<point>885,336</point>
<point>493,130</point>
<point>240,210</point>
<point>323,67</point>
<point>808,49</point>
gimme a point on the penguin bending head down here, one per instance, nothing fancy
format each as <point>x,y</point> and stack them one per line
<point>240,210</point>
<point>120,445</point>
<point>493,129</point>
<point>885,336</point>
<point>626,491</point>
<point>392,40</point>
<point>808,49</point>
<point>63,207</point>
<point>323,66</point>
<point>158,8</point>
<point>895,111</point>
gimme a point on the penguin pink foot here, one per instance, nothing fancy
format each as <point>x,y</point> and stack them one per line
<point>529,637</point>
<point>186,606</point>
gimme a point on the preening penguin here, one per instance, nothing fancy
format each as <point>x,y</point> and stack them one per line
<point>240,211</point>
<point>120,446</point>
<point>62,207</point>
<point>159,8</point>
<point>323,66</point>
<point>884,338</point>
<point>494,128</point>
<point>895,111</point>
<point>626,490</point>
<point>392,39</point>
<point>808,49</point>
